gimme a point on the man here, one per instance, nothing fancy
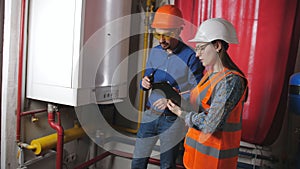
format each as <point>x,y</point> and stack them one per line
<point>173,62</point>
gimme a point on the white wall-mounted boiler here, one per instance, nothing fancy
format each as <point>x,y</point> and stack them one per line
<point>77,50</point>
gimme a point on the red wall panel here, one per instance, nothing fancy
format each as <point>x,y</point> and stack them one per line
<point>264,29</point>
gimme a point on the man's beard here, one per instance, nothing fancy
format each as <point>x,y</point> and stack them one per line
<point>165,45</point>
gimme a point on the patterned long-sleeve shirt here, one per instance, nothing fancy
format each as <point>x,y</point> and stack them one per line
<point>225,96</point>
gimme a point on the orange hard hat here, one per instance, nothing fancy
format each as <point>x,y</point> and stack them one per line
<point>168,17</point>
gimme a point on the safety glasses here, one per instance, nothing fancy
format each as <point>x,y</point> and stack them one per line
<point>166,36</point>
<point>201,48</point>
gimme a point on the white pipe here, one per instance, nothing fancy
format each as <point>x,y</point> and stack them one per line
<point>92,153</point>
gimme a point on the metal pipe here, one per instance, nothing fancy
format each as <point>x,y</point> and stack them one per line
<point>60,134</point>
<point>247,166</point>
<point>20,71</point>
<point>26,146</point>
<point>32,112</point>
<point>94,160</point>
<point>20,157</point>
<point>258,156</point>
<point>151,160</point>
<point>93,152</point>
<point>119,154</point>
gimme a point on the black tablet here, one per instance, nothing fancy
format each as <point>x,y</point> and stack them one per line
<point>167,90</point>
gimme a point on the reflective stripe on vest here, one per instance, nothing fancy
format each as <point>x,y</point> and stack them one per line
<point>212,151</point>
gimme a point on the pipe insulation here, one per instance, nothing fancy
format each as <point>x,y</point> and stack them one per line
<point>50,141</point>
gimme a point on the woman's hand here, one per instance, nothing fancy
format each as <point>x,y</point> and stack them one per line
<point>161,104</point>
<point>174,108</point>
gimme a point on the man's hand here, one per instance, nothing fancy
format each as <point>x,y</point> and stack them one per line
<point>174,108</point>
<point>161,104</point>
<point>146,82</point>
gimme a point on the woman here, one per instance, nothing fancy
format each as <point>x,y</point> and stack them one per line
<point>214,135</point>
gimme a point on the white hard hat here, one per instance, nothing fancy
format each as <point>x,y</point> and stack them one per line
<point>216,28</point>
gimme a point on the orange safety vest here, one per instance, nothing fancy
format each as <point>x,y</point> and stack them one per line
<point>218,150</point>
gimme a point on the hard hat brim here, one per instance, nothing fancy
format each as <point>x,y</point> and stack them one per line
<point>231,41</point>
<point>197,40</point>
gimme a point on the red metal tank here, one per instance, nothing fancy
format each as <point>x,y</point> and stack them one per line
<point>266,54</point>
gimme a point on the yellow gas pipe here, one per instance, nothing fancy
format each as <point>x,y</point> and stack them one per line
<point>50,141</point>
<point>145,54</point>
